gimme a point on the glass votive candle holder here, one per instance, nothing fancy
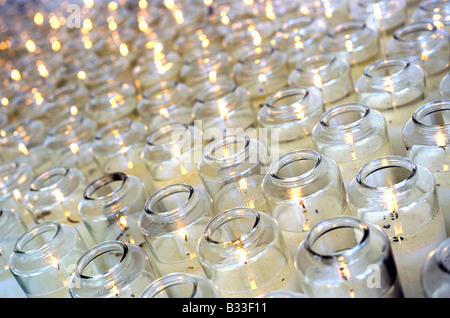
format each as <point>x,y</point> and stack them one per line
<point>182,285</point>
<point>436,272</point>
<point>400,197</point>
<point>346,257</point>
<point>111,206</point>
<point>15,178</point>
<point>75,96</point>
<point>426,137</point>
<point>223,106</point>
<point>303,188</point>
<point>437,11</point>
<point>99,71</point>
<point>243,252</point>
<point>354,41</point>
<point>332,12</point>
<point>444,87</point>
<point>232,169</point>
<point>395,87</point>
<point>289,116</point>
<point>172,154</point>
<point>111,102</point>
<point>69,143</point>
<point>426,45</point>
<point>44,258</point>
<point>173,220</point>
<point>112,269</point>
<point>118,147</point>
<point>299,37</point>
<point>262,71</point>
<point>328,72</point>
<point>164,103</point>
<point>351,134</point>
<point>385,16</point>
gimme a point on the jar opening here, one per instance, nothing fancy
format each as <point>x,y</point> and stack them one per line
<point>37,238</point>
<point>106,186</point>
<point>176,285</point>
<point>345,115</point>
<point>168,134</point>
<point>229,149</point>
<point>295,26</point>
<point>49,179</point>
<point>295,166</point>
<point>169,199</point>
<point>217,92</point>
<point>435,114</point>
<point>316,63</point>
<point>288,98</point>
<point>386,68</point>
<point>114,130</point>
<point>258,56</point>
<point>415,32</point>
<point>346,31</point>
<point>162,92</point>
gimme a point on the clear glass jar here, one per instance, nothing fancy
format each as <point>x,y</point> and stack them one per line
<point>400,197</point>
<point>182,285</point>
<point>330,11</point>
<point>69,143</point>
<point>352,134</point>
<point>75,96</point>
<point>11,228</point>
<point>289,115</point>
<point>15,179</point>
<point>328,72</point>
<point>444,87</point>
<point>426,45</point>
<point>396,88</point>
<point>262,71</point>
<point>385,16</point>
<point>44,258</point>
<point>173,220</point>
<point>118,147</point>
<point>436,272</point>
<point>232,169</point>
<point>164,103</point>
<point>112,269</point>
<point>112,102</point>
<point>299,37</point>
<point>111,206</point>
<point>356,42</point>
<point>437,11</point>
<point>283,294</point>
<point>223,106</point>
<point>243,252</point>
<point>346,257</point>
<point>426,137</point>
<point>172,154</point>
<point>303,188</point>
<point>99,71</point>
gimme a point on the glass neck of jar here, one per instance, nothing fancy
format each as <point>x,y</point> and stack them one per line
<point>74,129</point>
<point>171,140</point>
<point>432,117</point>
<point>166,94</point>
<point>258,61</point>
<point>320,68</point>
<point>101,192</point>
<point>388,75</point>
<point>24,131</point>
<point>417,35</point>
<point>223,94</point>
<point>181,284</point>
<point>57,182</point>
<point>229,151</point>
<point>118,136</point>
<point>14,175</point>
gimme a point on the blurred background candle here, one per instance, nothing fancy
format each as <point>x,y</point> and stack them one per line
<point>436,272</point>
<point>444,87</point>
<point>332,12</point>
<point>437,11</point>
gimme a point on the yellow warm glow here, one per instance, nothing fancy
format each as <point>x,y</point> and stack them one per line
<point>123,48</point>
<point>178,15</point>
<point>74,148</point>
<point>213,76</point>
<point>390,200</point>
<point>164,113</point>
<point>223,111</point>
<point>256,38</point>
<point>31,47</point>
<point>170,4</point>
<point>88,3</point>
<point>81,75</point>
<point>349,45</point>
<point>112,6</point>
<point>317,80</point>
<point>38,18</point>
<point>262,78</point>
<point>17,195</point>
<point>389,85</point>
<point>73,110</point>
<point>23,149</point>
<point>328,10</point>
<point>5,101</point>
<point>378,14</point>
<point>441,140</point>
<point>123,221</point>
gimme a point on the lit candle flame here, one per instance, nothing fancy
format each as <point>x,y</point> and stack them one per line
<point>23,149</point>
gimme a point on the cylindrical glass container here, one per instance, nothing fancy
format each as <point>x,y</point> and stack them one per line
<point>166,102</point>
<point>243,252</point>
<point>15,179</point>
<point>395,87</point>
<point>111,102</point>
<point>426,45</point>
<point>232,169</point>
<point>99,71</point>
<point>172,154</point>
<point>182,285</point>
<point>262,71</point>
<point>11,228</point>
<point>426,136</point>
<point>352,134</point>
<point>112,269</point>
<point>303,188</point>
<point>289,116</point>
<point>385,16</point>
<point>44,257</point>
<point>69,143</point>
<point>356,42</point>
<point>444,87</point>
<point>328,72</point>
<point>437,11</point>
<point>222,107</point>
<point>332,12</point>
<point>436,272</point>
<point>118,147</point>
<point>345,257</point>
<point>173,220</point>
<point>75,96</point>
<point>400,197</point>
<point>111,206</point>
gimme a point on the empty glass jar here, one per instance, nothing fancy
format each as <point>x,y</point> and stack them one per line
<point>243,252</point>
<point>112,269</point>
<point>345,257</point>
<point>289,115</point>
<point>232,169</point>
<point>351,134</point>
<point>395,87</point>
<point>44,258</point>
<point>332,12</point>
<point>436,272</point>
<point>400,197</point>
<point>426,137</point>
<point>172,154</point>
<point>303,188</point>
<point>173,220</point>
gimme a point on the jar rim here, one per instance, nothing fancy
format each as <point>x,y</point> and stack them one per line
<point>400,33</point>
<point>57,171</point>
<point>342,109</point>
<point>171,280</point>
<point>161,194</point>
<point>290,91</point>
<point>39,229</point>
<point>103,181</point>
<point>400,64</point>
<point>212,147</point>
<point>428,109</point>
